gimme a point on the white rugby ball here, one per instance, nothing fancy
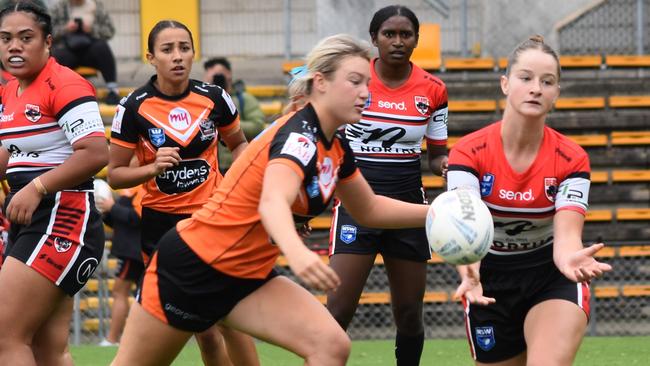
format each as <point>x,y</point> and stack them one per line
<point>102,189</point>
<point>459,227</point>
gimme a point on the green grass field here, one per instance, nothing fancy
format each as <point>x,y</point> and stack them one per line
<point>595,351</point>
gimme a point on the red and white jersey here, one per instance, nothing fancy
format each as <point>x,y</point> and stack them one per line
<point>395,121</point>
<point>39,125</point>
<point>522,204</point>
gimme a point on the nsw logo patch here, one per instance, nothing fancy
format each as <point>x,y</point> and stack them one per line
<point>487,182</point>
<point>157,136</point>
<point>485,337</point>
<point>348,233</point>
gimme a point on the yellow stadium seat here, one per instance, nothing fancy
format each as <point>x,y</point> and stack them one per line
<point>101,92</point>
<point>86,71</point>
<point>107,110</point>
<point>581,61</point>
<point>606,291</point>
<point>427,54</point>
<point>580,103</point>
<point>634,251</point>
<point>627,60</point>
<point>290,64</point>
<point>484,105</point>
<point>599,215</point>
<point>631,138</point>
<point>599,176</point>
<point>636,290</point>
<point>625,214</point>
<point>629,101</point>
<point>502,63</point>
<point>267,91</point>
<point>459,64</point>
<point>631,175</point>
<point>432,181</point>
<point>589,140</point>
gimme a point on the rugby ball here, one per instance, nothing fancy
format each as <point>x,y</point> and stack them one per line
<point>101,189</point>
<point>459,227</point>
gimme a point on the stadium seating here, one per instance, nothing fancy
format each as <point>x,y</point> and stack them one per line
<point>580,61</point>
<point>627,60</point>
<point>468,64</point>
<point>427,54</point>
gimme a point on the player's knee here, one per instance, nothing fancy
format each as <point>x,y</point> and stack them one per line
<point>337,345</point>
<point>408,318</point>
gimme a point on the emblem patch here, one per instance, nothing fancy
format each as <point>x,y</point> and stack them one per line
<point>300,147</point>
<point>487,182</point>
<point>62,245</point>
<point>207,129</point>
<point>550,188</point>
<point>348,233</point>
<point>33,112</point>
<point>157,136</point>
<point>421,104</point>
<point>485,338</point>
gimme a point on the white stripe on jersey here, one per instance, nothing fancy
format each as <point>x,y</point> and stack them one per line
<point>573,192</point>
<point>394,116</point>
<point>520,209</point>
<point>26,129</point>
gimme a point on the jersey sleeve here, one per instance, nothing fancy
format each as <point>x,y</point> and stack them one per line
<point>349,168</point>
<point>293,149</point>
<point>123,129</point>
<point>436,132</point>
<point>573,190</point>
<point>226,117</point>
<point>76,110</point>
<point>463,169</point>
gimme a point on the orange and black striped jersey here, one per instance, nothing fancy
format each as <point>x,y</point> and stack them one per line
<point>227,232</point>
<point>522,203</point>
<point>147,120</point>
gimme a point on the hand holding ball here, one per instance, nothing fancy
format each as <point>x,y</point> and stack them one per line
<point>459,227</point>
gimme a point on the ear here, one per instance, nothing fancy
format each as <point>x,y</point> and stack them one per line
<point>504,84</point>
<point>373,38</point>
<point>151,59</point>
<point>319,82</point>
<point>48,41</point>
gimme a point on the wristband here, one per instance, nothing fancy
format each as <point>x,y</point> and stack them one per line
<point>39,186</point>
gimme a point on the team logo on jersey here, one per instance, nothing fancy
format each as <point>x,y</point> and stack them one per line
<point>300,147</point>
<point>207,129</point>
<point>184,177</point>
<point>348,233</point>
<point>157,136</point>
<point>62,245</point>
<point>487,182</point>
<point>33,112</point>
<point>368,101</point>
<point>86,270</point>
<point>312,189</point>
<point>421,104</point>
<point>179,118</point>
<point>485,337</point>
<point>550,188</point>
<point>326,178</point>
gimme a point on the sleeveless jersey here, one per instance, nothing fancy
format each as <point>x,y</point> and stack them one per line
<point>147,119</point>
<point>387,140</point>
<point>522,204</point>
<point>227,232</point>
<point>39,126</point>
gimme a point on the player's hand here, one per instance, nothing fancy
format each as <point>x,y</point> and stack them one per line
<point>444,167</point>
<point>166,157</point>
<point>471,289</point>
<point>304,231</point>
<point>581,266</point>
<point>308,266</point>
<point>104,204</point>
<point>23,205</point>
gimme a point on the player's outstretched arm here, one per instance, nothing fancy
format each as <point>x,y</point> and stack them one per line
<point>575,261</point>
<point>279,190</point>
<point>370,209</point>
<point>122,174</point>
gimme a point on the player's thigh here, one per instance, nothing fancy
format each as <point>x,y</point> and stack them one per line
<point>148,341</point>
<point>29,300</point>
<point>290,317</point>
<point>353,270</point>
<point>51,339</point>
<point>407,280</point>
<point>554,330</point>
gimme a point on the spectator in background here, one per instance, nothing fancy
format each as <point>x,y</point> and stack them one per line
<point>81,32</point>
<point>251,118</point>
<point>123,215</point>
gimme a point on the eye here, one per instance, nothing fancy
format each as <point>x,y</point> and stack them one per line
<point>406,34</point>
<point>25,38</point>
<point>4,39</point>
<point>389,34</point>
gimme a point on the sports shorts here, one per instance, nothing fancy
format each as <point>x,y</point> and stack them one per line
<point>496,331</point>
<point>183,291</point>
<point>64,240</point>
<point>346,236</point>
<point>154,224</point>
<point>129,269</point>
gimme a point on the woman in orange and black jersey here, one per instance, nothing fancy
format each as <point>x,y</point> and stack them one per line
<point>172,124</point>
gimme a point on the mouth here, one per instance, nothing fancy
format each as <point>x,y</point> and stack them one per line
<point>178,69</point>
<point>533,102</point>
<point>15,61</point>
<point>397,54</point>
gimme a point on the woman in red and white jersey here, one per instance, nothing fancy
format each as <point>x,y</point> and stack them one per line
<point>405,105</point>
<point>530,304</point>
<point>53,142</point>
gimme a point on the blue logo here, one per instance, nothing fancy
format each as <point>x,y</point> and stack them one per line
<point>348,233</point>
<point>312,189</point>
<point>157,136</point>
<point>368,101</point>
<point>486,184</point>
<point>485,337</point>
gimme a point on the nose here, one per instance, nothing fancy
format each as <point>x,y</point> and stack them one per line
<point>364,92</point>
<point>14,44</point>
<point>176,54</point>
<point>536,87</point>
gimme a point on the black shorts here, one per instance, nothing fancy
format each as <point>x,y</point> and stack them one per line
<point>64,241</point>
<point>496,332</point>
<point>154,224</point>
<point>187,293</point>
<point>129,269</point>
<point>346,236</point>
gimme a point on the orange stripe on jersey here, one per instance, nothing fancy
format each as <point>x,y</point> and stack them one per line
<point>232,126</point>
<point>123,143</point>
